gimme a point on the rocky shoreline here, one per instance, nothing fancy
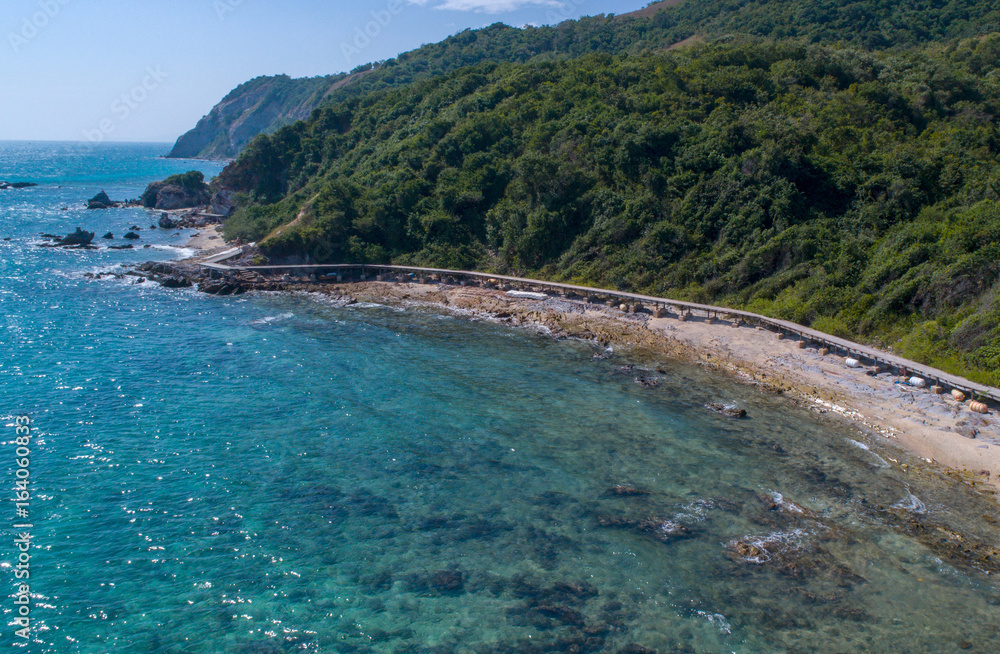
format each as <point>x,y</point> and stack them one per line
<point>943,431</point>
<point>929,426</point>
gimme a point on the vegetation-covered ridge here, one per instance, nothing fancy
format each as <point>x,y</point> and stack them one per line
<point>852,191</point>
<point>265,104</point>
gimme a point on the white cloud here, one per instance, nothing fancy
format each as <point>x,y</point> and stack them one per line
<point>488,6</point>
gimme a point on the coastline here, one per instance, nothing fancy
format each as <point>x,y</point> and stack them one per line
<point>937,429</point>
<point>941,431</point>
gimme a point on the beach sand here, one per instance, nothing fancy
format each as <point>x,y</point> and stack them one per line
<point>943,432</point>
<point>207,241</point>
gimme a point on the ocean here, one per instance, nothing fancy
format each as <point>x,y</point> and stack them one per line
<point>277,473</point>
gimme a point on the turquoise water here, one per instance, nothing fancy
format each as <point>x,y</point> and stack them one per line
<point>279,474</point>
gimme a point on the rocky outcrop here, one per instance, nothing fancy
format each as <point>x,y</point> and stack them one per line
<point>223,203</point>
<point>79,237</point>
<point>177,192</point>
<point>102,201</point>
<point>166,222</point>
<point>176,282</point>
<point>108,236</point>
<point>131,236</point>
<point>7,185</point>
<point>173,196</point>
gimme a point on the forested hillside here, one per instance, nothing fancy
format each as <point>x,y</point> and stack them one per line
<point>854,191</point>
<point>265,104</point>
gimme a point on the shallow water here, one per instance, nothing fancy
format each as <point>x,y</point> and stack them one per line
<point>276,474</point>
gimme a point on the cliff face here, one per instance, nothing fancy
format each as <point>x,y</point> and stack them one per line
<point>262,105</point>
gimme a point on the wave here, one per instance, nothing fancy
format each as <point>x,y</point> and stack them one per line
<point>911,503</point>
<point>267,320</point>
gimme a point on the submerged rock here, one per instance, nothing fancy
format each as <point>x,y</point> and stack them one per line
<point>662,529</point>
<point>626,491</point>
<point>448,581</point>
<point>727,410</point>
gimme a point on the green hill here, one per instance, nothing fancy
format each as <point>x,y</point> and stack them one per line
<point>851,190</point>
<point>267,103</point>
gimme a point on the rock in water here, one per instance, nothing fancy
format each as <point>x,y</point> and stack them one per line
<point>177,192</point>
<point>132,236</point>
<point>622,490</point>
<point>79,237</point>
<point>108,236</point>
<point>730,411</point>
<point>166,222</point>
<point>175,282</point>
<point>101,201</point>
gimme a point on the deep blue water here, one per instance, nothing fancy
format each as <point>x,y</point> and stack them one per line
<point>273,473</point>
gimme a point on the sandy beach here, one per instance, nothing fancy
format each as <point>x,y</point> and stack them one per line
<point>943,432</point>
<point>207,241</point>
<point>938,429</point>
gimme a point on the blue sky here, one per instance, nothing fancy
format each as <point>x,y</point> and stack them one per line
<point>149,70</point>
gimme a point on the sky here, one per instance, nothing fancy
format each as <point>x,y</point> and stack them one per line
<point>148,70</point>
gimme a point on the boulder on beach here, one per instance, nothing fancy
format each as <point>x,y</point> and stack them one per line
<point>79,237</point>
<point>132,236</point>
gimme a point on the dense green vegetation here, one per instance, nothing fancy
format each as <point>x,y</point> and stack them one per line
<point>869,24</point>
<point>858,192</point>
<point>192,180</point>
<point>264,104</point>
